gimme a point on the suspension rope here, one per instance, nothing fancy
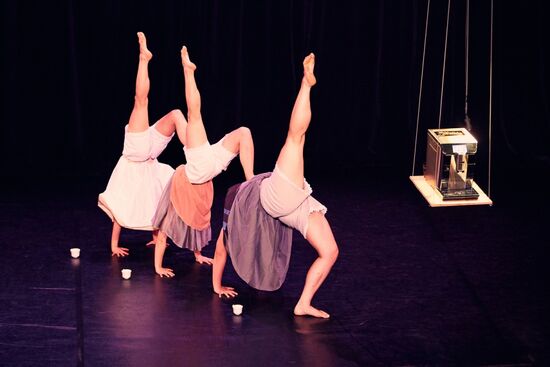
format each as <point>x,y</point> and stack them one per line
<point>490,103</point>
<point>444,64</point>
<point>466,62</point>
<point>420,91</point>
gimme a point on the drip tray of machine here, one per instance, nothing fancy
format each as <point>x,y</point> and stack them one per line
<point>465,194</point>
<point>435,199</point>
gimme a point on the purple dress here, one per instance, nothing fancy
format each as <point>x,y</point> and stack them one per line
<point>258,244</point>
<point>168,214</point>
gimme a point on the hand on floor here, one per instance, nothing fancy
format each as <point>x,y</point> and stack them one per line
<point>165,272</point>
<point>203,259</point>
<point>119,251</point>
<point>226,291</point>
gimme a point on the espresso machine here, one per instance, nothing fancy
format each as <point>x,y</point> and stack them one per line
<point>449,163</point>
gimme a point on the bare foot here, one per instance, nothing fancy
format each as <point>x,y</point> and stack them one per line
<point>165,272</point>
<point>310,311</point>
<point>144,53</point>
<point>186,61</point>
<point>119,251</point>
<point>229,292</point>
<point>309,64</point>
<point>203,259</point>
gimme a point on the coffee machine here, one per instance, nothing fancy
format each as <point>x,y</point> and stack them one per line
<point>449,163</point>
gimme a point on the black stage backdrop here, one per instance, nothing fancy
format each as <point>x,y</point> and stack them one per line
<point>68,73</point>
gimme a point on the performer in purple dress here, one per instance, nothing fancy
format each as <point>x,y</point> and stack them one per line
<point>261,211</point>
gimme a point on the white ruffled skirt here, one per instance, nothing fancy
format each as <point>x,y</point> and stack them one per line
<point>134,191</point>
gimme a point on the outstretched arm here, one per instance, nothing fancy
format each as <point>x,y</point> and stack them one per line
<point>115,236</point>
<point>160,247</point>
<point>220,257</point>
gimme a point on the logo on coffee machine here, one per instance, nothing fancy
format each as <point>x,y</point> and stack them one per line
<point>449,133</point>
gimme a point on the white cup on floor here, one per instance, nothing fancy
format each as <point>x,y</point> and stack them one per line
<point>237,309</point>
<point>126,273</point>
<point>75,252</point>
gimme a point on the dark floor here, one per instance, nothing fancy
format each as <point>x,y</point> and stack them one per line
<point>413,286</point>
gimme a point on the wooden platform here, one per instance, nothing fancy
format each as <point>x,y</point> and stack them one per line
<point>435,199</point>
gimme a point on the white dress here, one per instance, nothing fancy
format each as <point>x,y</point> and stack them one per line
<point>138,180</point>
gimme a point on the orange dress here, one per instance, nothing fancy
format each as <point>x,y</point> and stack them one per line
<point>184,211</point>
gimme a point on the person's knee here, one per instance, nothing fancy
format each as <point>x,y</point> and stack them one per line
<point>244,133</point>
<point>334,252</point>
<point>331,253</point>
<point>176,114</point>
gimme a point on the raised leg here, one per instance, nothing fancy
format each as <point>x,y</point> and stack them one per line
<point>291,157</point>
<point>115,236</point>
<point>291,162</point>
<point>220,258</point>
<point>160,247</point>
<point>240,141</point>
<point>139,119</point>
<point>196,133</point>
<point>319,235</point>
<point>173,121</point>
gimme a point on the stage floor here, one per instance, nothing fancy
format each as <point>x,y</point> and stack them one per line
<point>413,285</point>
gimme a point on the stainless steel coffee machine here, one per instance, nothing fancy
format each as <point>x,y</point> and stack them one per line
<point>449,165</point>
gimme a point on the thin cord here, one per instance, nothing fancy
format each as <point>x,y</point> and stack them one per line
<point>420,91</point>
<point>490,103</point>
<point>466,62</point>
<point>444,63</point>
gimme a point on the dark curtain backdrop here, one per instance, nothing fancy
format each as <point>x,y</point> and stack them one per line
<point>68,72</point>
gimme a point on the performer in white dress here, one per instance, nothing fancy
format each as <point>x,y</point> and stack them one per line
<point>183,212</point>
<point>138,179</point>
